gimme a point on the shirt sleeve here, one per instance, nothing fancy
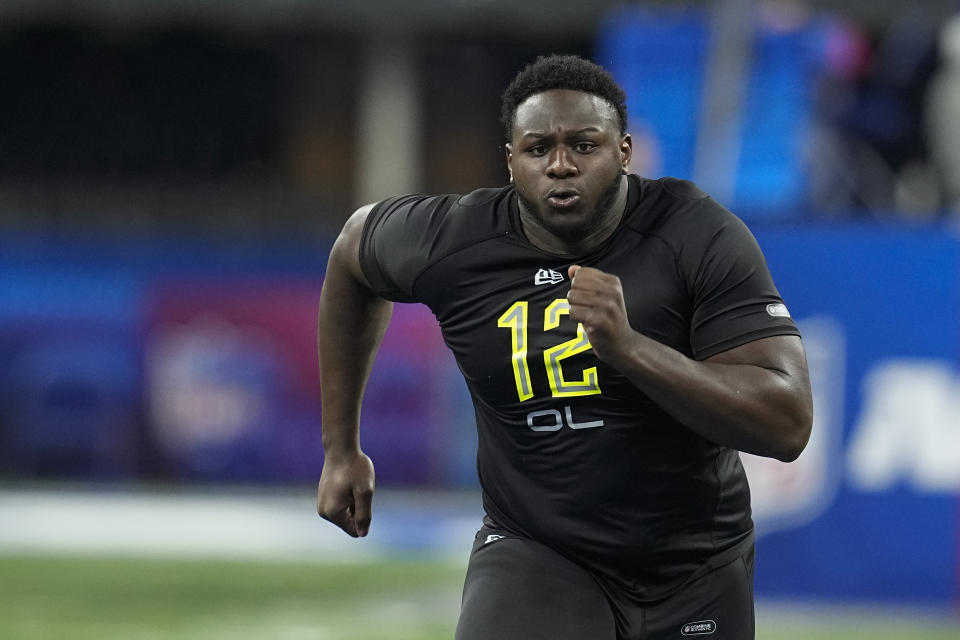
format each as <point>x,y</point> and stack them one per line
<point>395,246</point>
<point>734,298</point>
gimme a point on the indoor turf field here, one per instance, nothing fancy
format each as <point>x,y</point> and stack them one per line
<point>47,597</point>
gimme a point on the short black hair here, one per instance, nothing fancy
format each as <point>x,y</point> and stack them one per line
<point>562,72</point>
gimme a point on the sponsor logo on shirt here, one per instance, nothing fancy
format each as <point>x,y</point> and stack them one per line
<point>700,628</point>
<point>549,276</point>
<point>778,310</point>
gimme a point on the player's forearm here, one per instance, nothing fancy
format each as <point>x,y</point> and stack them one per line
<point>351,322</point>
<point>349,335</point>
<point>757,409</point>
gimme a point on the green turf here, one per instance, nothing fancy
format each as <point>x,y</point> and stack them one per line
<point>88,598</point>
<point>141,599</point>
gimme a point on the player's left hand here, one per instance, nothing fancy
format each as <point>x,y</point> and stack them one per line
<point>596,301</point>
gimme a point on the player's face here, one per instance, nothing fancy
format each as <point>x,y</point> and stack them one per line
<point>567,158</point>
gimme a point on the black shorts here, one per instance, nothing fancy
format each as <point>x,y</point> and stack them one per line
<point>519,589</point>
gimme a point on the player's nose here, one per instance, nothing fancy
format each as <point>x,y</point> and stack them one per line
<point>562,164</point>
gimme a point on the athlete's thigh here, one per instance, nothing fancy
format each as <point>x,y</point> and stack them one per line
<point>716,606</point>
<point>518,589</point>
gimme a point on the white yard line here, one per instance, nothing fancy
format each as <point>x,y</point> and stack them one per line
<point>221,524</point>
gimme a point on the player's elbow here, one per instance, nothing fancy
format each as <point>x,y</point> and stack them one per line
<point>791,450</point>
<point>796,433</point>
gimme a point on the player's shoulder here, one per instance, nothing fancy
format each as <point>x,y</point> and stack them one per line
<point>477,216</point>
<point>684,190</point>
<point>485,197</point>
<point>410,204</point>
<point>685,217</point>
<point>419,203</point>
<point>672,207</point>
<point>437,226</point>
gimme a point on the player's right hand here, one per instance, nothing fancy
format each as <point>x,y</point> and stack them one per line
<point>345,492</point>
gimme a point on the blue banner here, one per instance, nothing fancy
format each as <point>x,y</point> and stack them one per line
<point>871,508</point>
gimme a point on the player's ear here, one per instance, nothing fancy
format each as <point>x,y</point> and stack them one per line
<point>626,152</point>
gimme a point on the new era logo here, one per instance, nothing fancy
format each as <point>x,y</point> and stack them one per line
<point>547,276</point>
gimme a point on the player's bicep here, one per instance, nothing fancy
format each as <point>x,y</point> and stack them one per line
<point>345,254</point>
<point>784,391</point>
<point>782,354</point>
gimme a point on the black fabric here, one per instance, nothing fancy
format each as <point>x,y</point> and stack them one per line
<point>519,589</point>
<point>716,606</point>
<point>571,454</point>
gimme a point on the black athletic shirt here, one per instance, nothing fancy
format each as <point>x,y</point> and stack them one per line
<point>571,453</point>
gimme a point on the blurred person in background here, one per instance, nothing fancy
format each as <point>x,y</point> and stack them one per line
<point>943,115</point>
<point>873,157</point>
<point>621,338</point>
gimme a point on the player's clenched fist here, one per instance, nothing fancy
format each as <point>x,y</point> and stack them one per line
<point>345,492</point>
<point>596,301</point>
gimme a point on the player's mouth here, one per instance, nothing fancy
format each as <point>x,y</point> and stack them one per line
<point>563,199</point>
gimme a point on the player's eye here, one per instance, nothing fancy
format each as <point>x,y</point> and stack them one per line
<point>585,147</point>
<point>537,150</point>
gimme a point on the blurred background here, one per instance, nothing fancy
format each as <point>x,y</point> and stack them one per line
<point>173,174</point>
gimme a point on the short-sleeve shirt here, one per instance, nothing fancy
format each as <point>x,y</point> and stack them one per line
<point>571,453</point>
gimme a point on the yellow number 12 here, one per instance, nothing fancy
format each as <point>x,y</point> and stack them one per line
<point>515,318</point>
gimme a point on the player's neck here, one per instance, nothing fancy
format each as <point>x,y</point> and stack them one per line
<point>580,243</point>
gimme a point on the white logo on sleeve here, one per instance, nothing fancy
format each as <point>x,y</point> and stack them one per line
<point>493,537</point>
<point>547,276</point>
<point>778,310</point>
